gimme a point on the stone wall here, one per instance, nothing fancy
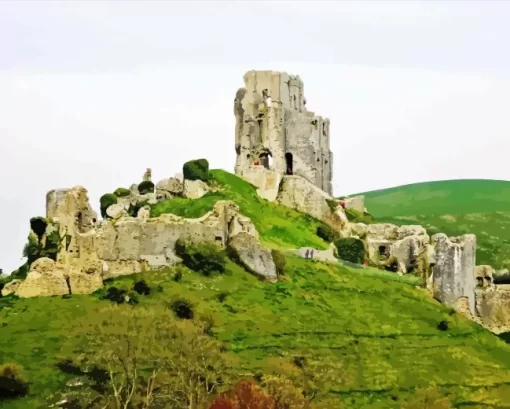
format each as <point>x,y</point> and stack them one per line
<point>275,130</point>
<point>453,269</point>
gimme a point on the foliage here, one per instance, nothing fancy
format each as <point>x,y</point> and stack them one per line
<point>245,394</point>
<point>427,398</point>
<point>326,233</point>
<point>38,226</point>
<point>182,308</point>
<point>122,192</point>
<point>279,227</point>
<point>333,204</point>
<point>351,249</point>
<point>355,216</point>
<point>12,382</point>
<point>121,296</point>
<point>146,187</point>
<point>142,288</point>
<point>150,359</point>
<point>196,170</point>
<point>105,202</point>
<point>205,258</point>
<point>280,261</point>
<point>36,247</point>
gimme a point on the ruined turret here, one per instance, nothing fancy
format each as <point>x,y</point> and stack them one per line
<point>275,131</point>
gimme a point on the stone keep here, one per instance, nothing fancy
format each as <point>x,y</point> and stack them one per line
<point>274,130</point>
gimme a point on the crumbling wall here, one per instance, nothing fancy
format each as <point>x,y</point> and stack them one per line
<point>453,269</point>
<point>274,130</point>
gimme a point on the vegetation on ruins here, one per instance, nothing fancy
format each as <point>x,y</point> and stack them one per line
<point>206,258</point>
<point>105,202</point>
<point>351,249</point>
<point>122,192</point>
<point>453,207</point>
<point>196,170</point>
<point>146,187</point>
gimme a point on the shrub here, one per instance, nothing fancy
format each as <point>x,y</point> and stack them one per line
<point>182,308</point>
<point>142,288</point>
<point>146,187</point>
<point>355,216</point>
<point>443,325</point>
<point>132,298</point>
<point>280,262</point>
<point>115,295</point>
<point>12,382</point>
<point>196,170</point>
<point>122,192</point>
<point>177,276</point>
<point>106,201</point>
<point>351,249</point>
<point>326,233</point>
<point>38,226</point>
<point>222,296</point>
<point>206,258</point>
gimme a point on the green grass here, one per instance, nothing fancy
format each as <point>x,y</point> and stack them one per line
<point>376,329</point>
<point>279,227</point>
<point>454,207</point>
<point>376,332</point>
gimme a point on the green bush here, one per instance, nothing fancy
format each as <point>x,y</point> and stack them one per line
<point>326,233</point>
<point>146,187</point>
<point>38,226</point>
<point>196,170</point>
<point>115,295</point>
<point>205,258</point>
<point>280,262</point>
<point>351,249</point>
<point>142,288</point>
<point>182,308</point>
<point>106,201</point>
<point>12,382</point>
<point>122,192</point>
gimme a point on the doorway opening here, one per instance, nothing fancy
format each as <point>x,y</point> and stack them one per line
<point>290,164</point>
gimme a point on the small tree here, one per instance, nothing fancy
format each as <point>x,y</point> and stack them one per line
<point>38,226</point>
<point>351,249</point>
<point>146,187</point>
<point>196,170</point>
<point>122,192</point>
<point>12,382</point>
<point>106,201</point>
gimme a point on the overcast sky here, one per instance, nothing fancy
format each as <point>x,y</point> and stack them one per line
<point>93,92</point>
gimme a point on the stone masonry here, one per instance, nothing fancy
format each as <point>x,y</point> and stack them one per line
<point>274,130</point>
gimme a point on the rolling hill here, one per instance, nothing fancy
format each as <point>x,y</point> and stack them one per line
<point>453,207</point>
<point>375,337</point>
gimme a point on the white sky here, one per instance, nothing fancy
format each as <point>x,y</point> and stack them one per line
<point>94,92</point>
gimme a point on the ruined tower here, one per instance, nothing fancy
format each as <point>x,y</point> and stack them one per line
<point>274,130</point>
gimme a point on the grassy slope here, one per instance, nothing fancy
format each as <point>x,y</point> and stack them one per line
<point>375,327</point>
<point>454,207</point>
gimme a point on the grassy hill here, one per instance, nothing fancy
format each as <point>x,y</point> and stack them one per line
<point>453,207</point>
<point>374,335</point>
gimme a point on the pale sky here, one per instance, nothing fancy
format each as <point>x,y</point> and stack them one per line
<point>93,92</point>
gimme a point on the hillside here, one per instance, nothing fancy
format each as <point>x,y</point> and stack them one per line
<point>454,207</point>
<point>370,338</point>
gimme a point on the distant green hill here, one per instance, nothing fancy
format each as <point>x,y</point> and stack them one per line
<point>454,207</point>
<point>375,337</point>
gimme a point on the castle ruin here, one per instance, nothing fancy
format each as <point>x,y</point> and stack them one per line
<point>275,131</point>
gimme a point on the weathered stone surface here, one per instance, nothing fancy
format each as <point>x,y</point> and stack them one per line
<point>10,288</point>
<point>143,213</point>
<point>195,189</point>
<point>266,181</point>
<point>493,308</point>
<point>357,203</point>
<point>359,229</point>
<point>255,258</point>
<point>174,186</point>
<point>453,270</point>
<point>275,130</point>
<point>44,278</point>
<point>485,277</point>
<point>115,211</point>
<point>301,195</point>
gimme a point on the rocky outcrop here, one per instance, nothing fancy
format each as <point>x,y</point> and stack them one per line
<point>10,287</point>
<point>484,275</point>
<point>172,186</point>
<point>493,308</point>
<point>453,269</point>
<point>266,181</point>
<point>194,189</point>
<point>301,195</point>
<point>249,252</point>
<point>44,279</point>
